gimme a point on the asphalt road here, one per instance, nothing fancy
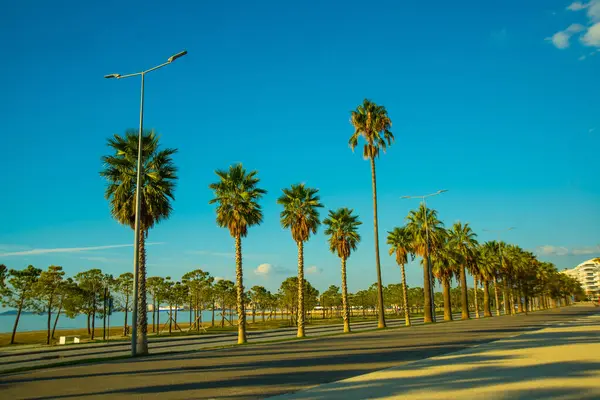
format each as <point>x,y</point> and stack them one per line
<point>258,371</point>
<point>14,358</point>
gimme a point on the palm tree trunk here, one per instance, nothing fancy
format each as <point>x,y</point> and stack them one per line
<point>60,304</point>
<point>126,309</point>
<point>346,313</point>
<point>512,301</point>
<point>505,298</point>
<point>142,316</point>
<point>223,311</point>
<point>300,289</point>
<point>496,296</point>
<point>476,300</point>
<point>405,297</point>
<point>486,299</point>
<point>381,317</point>
<point>157,316</point>
<point>104,305</point>
<point>49,319</point>
<point>14,332</point>
<point>464,298</point>
<point>240,291</point>
<point>193,312</point>
<point>520,297</point>
<point>153,314</point>
<point>427,317</point>
<point>212,321</point>
<point>447,299</point>
<point>94,317</point>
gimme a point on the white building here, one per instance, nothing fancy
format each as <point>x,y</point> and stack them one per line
<point>588,274</point>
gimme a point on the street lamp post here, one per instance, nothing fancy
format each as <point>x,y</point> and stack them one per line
<point>429,268</point>
<point>138,205</point>
<point>499,232</point>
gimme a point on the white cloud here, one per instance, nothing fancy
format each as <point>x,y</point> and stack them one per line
<point>582,58</point>
<point>574,28</point>
<point>67,250</point>
<point>263,269</point>
<point>563,251</point>
<point>591,32</point>
<point>266,269</point>
<point>553,250</point>
<point>576,6</point>
<point>313,269</point>
<point>219,278</point>
<point>560,40</point>
<point>586,250</point>
<point>592,36</point>
<point>593,11</point>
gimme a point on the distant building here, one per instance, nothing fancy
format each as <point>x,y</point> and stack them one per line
<point>588,274</point>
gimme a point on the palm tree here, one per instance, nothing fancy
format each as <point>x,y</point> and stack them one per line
<point>400,244</point>
<point>300,214</point>
<point>158,183</point>
<point>373,123</point>
<point>342,229</point>
<point>473,266</point>
<point>237,195</point>
<point>488,270</point>
<point>444,268</point>
<point>463,240</point>
<point>423,226</point>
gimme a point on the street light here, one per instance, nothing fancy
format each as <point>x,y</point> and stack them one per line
<point>138,202</point>
<point>499,232</point>
<point>429,269</point>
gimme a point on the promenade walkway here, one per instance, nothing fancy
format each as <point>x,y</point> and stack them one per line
<point>18,357</point>
<point>261,370</point>
<point>558,362</point>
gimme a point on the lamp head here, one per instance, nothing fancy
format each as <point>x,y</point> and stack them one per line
<point>112,76</point>
<point>176,56</point>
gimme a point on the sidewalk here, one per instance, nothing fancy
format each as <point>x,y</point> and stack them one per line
<point>558,362</point>
<point>28,357</point>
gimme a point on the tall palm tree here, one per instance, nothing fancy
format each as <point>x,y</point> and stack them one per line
<point>444,267</point>
<point>300,214</point>
<point>237,195</point>
<point>473,266</point>
<point>511,270</point>
<point>488,269</point>
<point>463,240</point>
<point>421,225</point>
<point>342,229</point>
<point>159,175</point>
<point>400,244</point>
<point>372,122</point>
<point>505,272</point>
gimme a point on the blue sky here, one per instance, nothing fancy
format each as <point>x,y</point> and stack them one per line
<point>498,103</point>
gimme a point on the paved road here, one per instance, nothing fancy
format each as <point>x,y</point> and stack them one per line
<point>558,362</point>
<point>258,371</point>
<point>13,358</point>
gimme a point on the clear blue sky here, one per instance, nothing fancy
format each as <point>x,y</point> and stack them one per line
<point>485,102</point>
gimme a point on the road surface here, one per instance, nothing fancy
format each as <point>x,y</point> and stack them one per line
<point>263,370</point>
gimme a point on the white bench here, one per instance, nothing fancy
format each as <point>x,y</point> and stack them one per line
<point>63,339</point>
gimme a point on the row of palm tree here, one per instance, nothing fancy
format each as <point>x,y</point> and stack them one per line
<point>237,196</point>
<point>517,275</point>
